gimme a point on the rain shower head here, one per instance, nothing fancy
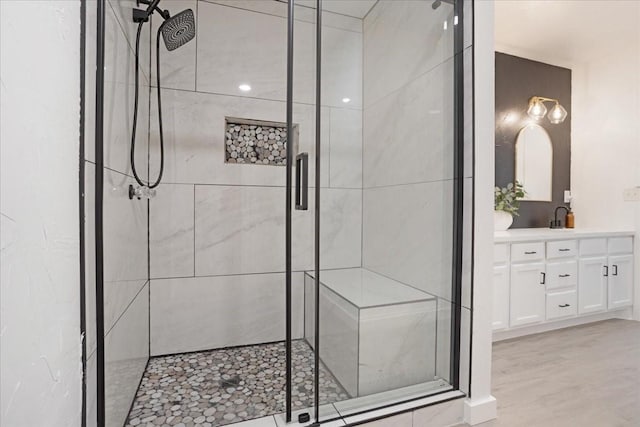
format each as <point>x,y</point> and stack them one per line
<point>178,29</point>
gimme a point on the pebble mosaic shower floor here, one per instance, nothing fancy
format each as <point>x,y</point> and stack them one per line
<point>218,387</point>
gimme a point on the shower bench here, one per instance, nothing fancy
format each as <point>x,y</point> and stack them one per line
<point>376,334</point>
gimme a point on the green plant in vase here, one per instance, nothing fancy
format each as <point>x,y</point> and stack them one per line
<point>506,204</point>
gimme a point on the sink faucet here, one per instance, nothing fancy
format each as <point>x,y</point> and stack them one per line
<point>556,223</point>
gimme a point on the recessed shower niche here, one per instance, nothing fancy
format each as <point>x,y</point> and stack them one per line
<point>257,142</point>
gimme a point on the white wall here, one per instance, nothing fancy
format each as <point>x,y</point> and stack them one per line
<point>40,347</point>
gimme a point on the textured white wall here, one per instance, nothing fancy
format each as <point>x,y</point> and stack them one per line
<point>40,321</point>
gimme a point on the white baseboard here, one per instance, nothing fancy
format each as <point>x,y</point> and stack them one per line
<point>624,313</point>
<point>480,410</point>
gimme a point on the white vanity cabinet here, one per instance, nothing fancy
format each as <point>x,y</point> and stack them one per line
<point>527,293</point>
<point>620,281</point>
<point>593,285</point>
<point>547,276</point>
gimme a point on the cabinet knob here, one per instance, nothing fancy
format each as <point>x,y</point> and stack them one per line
<point>615,270</point>
<point>564,250</point>
<point>530,252</point>
<point>543,278</point>
<point>564,275</point>
<point>564,305</point>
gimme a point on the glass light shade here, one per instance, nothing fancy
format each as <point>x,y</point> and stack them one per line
<point>557,114</point>
<point>536,110</point>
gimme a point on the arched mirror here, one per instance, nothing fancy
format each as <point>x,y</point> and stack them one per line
<point>534,162</point>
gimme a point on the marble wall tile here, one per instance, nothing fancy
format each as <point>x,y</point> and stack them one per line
<point>122,12</point>
<point>125,231</point>
<point>468,22</point>
<point>408,354</point>
<point>408,234</point>
<point>126,355</point>
<point>425,44</point>
<point>342,57</point>
<point>443,341</point>
<point>171,231</point>
<point>221,67</point>
<point>409,135</point>
<point>338,333</point>
<point>241,229</point>
<point>119,98</point>
<point>340,227</point>
<point>202,313</point>
<point>302,12</point>
<point>177,67</point>
<point>194,136</point>
<point>345,148</point>
<point>124,249</point>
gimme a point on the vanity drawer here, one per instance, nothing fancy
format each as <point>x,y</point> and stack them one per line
<point>593,247</point>
<point>562,249</point>
<point>621,245</point>
<point>561,304</point>
<point>500,253</point>
<point>562,274</point>
<point>533,251</point>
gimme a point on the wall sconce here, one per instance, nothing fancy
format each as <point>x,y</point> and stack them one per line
<point>538,110</point>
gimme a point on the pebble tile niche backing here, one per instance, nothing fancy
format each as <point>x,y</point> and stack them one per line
<point>256,142</point>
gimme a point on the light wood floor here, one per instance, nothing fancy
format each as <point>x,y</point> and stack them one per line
<point>582,376</point>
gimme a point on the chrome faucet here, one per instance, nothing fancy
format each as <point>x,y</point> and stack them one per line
<point>556,223</point>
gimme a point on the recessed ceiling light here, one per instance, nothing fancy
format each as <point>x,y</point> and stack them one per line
<point>244,87</point>
<point>346,100</point>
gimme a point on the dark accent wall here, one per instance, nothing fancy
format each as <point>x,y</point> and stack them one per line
<point>517,80</point>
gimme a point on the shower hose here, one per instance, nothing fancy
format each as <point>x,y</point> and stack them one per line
<point>135,111</point>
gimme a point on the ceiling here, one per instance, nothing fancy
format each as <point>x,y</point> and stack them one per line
<point>567,30</point>
<point>355,8</point>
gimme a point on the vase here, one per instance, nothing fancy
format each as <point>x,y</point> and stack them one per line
<point>502,220</point>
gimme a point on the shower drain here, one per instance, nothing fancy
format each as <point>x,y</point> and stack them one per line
<point>231,382</point>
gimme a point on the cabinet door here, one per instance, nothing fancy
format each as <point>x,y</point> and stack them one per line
<point>500,297</point>
<point>592,285</point>
<point>527,293</point>
<point>620,281</point>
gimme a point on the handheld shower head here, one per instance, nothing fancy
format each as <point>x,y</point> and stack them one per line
<point>178,29</point>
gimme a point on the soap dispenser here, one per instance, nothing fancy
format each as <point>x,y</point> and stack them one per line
<point>569,220</point>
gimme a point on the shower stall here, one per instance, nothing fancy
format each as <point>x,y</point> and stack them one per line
<point>285,236</point>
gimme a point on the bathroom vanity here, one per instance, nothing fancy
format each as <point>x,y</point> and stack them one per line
<point>545,279</point>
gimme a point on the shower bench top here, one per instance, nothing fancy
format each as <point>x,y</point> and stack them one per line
<point>365,289</point>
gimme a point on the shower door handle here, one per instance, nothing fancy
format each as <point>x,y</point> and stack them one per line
<point>302,181</point>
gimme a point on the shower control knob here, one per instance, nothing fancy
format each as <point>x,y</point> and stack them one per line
<point>141,192</point>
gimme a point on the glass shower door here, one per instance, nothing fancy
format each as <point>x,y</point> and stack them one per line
<point>389,243</point>
<point>301,251</point>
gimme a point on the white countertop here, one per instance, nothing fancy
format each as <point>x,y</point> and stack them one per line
<point>529,234</point>
<point>364,288</point>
